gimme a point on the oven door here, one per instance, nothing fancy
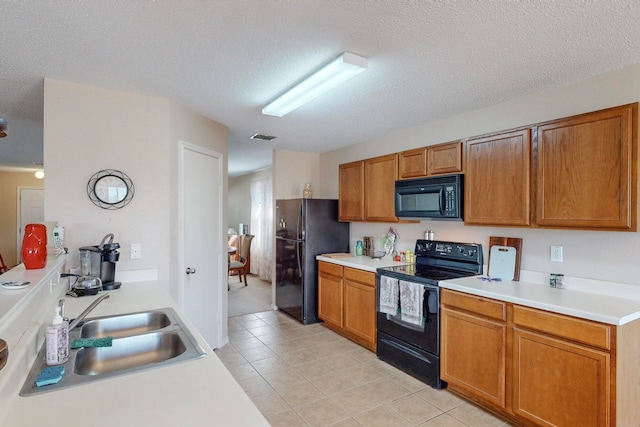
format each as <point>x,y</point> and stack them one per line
<point>425,336</point>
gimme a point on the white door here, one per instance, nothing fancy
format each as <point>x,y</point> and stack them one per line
<point>203,261</point>
<point>31,211</point>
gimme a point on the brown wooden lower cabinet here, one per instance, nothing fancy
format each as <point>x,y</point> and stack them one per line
<point>347,302</point>
<point>479,371</point>
<point>330,290</point>
<point>560,383</point>
<point>538,368</point>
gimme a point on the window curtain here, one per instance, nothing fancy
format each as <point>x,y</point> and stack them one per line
<point>262,227</point>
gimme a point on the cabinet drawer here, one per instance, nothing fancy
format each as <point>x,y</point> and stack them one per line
<point>365,277</point>
<point>330,268</point>
<point>475,304</point>
<point>584,331</point>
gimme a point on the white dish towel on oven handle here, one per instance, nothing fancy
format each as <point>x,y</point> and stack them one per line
<point>411,298</point>
<point>388,295</point>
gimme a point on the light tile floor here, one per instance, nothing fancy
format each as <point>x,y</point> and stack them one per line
<point>310,376</point>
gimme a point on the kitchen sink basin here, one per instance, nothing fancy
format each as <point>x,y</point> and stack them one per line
<point>141,341</point>
<point>129,352</point>
<point>125,325</point>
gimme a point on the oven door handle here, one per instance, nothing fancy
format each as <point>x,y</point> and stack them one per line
<point>406,350</point>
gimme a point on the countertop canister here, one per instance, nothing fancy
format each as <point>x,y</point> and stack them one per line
<point>34,246</point>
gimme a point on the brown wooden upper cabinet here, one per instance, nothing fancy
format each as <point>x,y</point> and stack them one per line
<point>366,189</point>
<point>497,179</point>
<point>587,172</point>
<point>432,160</point>
<point>351,191</point>
<point>413,163</point>
<point>380,174</point>
<point>444,158</point>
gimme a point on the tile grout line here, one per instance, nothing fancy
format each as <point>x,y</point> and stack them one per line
<point>276,319</point>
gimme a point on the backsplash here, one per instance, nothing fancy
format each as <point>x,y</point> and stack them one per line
<point>583,256</point>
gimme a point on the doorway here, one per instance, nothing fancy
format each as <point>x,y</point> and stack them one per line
<point>202,265</point>
<point>250,201</point>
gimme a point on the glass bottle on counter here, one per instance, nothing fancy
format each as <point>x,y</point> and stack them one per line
<point>359,248</point>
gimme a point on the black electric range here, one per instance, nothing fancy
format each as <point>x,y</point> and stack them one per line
<point>414,346</point>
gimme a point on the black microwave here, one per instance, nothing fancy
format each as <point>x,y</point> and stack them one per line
<point>431,197</point>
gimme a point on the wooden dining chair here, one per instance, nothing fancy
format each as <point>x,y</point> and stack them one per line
<point>242,264</point>
<point>3,266</point>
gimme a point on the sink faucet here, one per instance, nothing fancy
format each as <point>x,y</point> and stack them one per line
<point>88,310</point>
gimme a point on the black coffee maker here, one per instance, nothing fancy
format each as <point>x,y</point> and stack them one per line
<point>102,260</point>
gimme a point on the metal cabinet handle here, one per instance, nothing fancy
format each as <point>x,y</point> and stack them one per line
<point>190,270</point>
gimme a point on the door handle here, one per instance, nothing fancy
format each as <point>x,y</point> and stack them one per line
<point>190,270</point>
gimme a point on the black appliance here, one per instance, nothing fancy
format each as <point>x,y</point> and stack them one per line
<point>412,348</point>
<point>305,228</point>
<point>431,197</point>
<point>103,260</point>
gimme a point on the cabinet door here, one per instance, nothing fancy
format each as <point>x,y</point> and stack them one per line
<point>558,383</point>
<point>351,191</point>
<point>360,311</point>
<point>497,179</point>
<point>360,305</point>
<point>413,163</point>
<point>380,174</point>
<point>444,158</point>
<point>330,297</point>
<point>585,174</point>
<point>473,354</point>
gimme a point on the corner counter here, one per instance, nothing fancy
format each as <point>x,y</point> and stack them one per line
<point>195,392</point>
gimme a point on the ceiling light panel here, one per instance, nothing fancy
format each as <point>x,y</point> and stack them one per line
<point>338,71</point>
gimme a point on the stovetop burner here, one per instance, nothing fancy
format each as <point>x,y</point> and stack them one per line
<point>414,272</point>
<point>437,260</point>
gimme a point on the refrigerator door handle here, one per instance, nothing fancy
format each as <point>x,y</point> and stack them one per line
<point>299,229</point>
<point>299,256</point>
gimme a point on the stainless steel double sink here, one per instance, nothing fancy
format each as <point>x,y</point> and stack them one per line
<point>141,341</point>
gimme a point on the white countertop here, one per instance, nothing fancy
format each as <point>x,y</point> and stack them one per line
<point>195,392</point>
<point>362,262</point>
<point>611,303</point>
<point>611,309</point>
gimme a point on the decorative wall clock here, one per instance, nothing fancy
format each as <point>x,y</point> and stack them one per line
<point>110,189</point>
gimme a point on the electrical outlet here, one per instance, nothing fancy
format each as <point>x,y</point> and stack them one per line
<point>556,253</point>
<point>136,251</point>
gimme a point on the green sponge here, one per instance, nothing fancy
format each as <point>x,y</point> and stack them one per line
<point>92,342</point>
<point>50,375</point>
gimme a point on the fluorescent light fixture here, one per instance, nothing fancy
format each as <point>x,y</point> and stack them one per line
<point>326,78</point>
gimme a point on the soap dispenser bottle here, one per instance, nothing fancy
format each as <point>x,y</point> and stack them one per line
<point>57,340</point>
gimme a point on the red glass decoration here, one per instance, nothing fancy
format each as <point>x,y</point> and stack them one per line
<point>34,246</point>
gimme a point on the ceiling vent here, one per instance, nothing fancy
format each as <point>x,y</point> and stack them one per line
<point>262,137</point>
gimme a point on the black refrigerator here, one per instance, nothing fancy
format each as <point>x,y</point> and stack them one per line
<point>304,228</point>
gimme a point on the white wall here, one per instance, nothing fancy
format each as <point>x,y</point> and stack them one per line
<point>87,129</point>
<point>291,170</point>
<point>611,256</point>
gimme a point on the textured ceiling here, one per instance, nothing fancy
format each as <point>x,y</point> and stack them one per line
<point>227,58</point>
